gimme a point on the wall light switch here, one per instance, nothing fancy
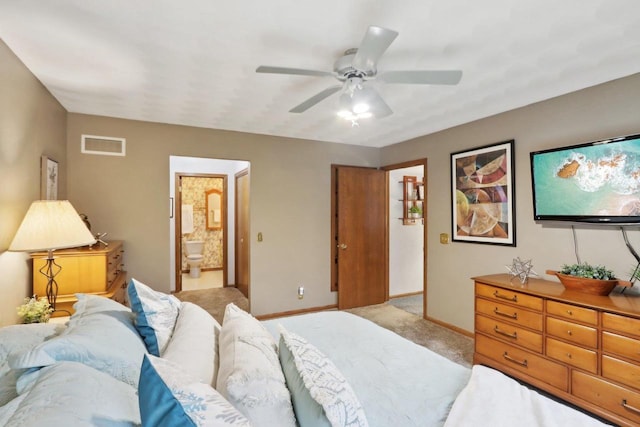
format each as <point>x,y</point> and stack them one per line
<point>444,238</point>
<point>260,237</point>
<point>300,292</point>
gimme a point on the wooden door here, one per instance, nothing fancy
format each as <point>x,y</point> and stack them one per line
<point>242,232</point>
<point>361,236</point>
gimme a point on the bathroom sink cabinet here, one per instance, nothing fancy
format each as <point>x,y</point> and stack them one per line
<point>97,270</point>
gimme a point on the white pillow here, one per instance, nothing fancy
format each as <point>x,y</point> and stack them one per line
<point>156,315</point>
<point>250,376</point>
<point>100,334</point>
<point>73,394</point>
<point>194,343</point>
<point>321,395</point>
<point>168,396</point>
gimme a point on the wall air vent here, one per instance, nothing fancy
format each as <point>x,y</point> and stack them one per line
<point>103,145</point>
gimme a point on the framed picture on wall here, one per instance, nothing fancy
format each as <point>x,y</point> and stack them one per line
<point>483,196</point>
<point>48,179</point>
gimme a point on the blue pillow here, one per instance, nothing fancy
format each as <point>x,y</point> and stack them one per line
<point>155,315</point>
<point>168,397</point>
<point>100,334</point>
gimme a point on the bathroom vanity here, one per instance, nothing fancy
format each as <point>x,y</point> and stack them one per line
<point>96,269</point>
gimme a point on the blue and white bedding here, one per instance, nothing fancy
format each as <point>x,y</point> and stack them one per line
<point>398,382</point>
<point>326,369</point>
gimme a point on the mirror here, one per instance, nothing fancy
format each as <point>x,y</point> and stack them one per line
<point>214,206</point>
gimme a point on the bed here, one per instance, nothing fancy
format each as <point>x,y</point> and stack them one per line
<point>163,362</point>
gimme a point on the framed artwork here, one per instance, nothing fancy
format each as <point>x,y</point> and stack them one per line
<point>48,179</point>
<point>482,195</point>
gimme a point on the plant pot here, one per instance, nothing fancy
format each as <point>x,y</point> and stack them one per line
<point>588,286</point>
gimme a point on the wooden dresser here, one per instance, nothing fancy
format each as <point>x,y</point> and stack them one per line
<point>583,348</point>
<point>93,270</point>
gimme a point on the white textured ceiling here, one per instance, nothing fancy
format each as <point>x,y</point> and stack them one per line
<point>193,62</point>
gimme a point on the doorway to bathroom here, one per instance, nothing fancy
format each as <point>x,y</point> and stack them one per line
<point>201,231</point>
<point>202,168</point>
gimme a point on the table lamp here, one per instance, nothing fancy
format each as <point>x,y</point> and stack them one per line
<point>47,226</point>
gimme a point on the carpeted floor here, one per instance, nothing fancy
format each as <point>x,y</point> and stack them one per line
<point>412,304</point>
<point>450,344</point>
<point>214,300</point>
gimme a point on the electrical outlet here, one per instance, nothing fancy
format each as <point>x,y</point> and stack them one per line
<point>300,292</point>
<point>444,238</point>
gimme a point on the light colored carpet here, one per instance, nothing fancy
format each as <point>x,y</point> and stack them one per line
<point>215,300</point>
<point>412,304</point>
<point>450,344</point>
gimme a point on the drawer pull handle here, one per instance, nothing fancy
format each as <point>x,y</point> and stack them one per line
<point>500,313</point>
<point>506,334</point>
<point>569,333</point>
<point>570,313</point>
<point>625,405</point>
<point>511,359</point>
<point>498,295</point>
<point>569,355</point>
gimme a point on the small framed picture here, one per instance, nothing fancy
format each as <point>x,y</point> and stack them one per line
<point>48,179</point>
<point>482,186</point>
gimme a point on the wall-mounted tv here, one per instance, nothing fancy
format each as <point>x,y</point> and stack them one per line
<point>595,182</point>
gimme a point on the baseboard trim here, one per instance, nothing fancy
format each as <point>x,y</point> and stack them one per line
<point>450,326</point>
<point>295,312</point>
<point>409,294</point>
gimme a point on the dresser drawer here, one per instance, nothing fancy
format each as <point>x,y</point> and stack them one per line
<point>523,361</point>
<point>617,323</point>
<point>616,399</point>
<point>572,312</point>
<point>509,296</point>
<point>583,335</point>
<point>572,355</point>
<point>510,333</point>
<point>621,371</point>
<point>622,346</point>
<point>509,313</point>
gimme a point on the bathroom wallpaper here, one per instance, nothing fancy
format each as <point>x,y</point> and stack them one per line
<point>193,193</point>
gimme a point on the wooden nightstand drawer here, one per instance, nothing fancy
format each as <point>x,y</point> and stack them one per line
<point>622,346</point>
<point>572,355</point>
<point>509,313</point>
<point>572,312</point>
<point>510,333</point>
<point>524,361</point>
<point>509,296</point>
<point>617,323</point>
<point>608,396</point>
<point>621,371</point>
<point>569,331</point>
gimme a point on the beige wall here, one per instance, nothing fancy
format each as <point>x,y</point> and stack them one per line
<point>603,111</point>
<point>128,197</point>
<point>32,124</point>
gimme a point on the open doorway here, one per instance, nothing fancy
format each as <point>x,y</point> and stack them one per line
<point>221,217</point>
<point>407,249</point>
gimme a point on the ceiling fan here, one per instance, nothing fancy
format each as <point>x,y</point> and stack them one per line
<point>357,67</point>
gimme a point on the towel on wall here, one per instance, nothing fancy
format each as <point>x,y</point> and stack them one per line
<point>187,219</point>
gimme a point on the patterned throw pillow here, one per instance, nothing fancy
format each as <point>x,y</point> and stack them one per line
<point>320,394</point>
<point>169,397</point>
<point>156,315</point>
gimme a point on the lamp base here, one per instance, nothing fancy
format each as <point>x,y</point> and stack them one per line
<point>50,270</point>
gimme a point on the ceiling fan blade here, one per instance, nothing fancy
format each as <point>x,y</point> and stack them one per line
<point>294,71</point>
<point>375,42</point>
<point>440,77</point>
<point>377,106</point>
<point>301,108</point>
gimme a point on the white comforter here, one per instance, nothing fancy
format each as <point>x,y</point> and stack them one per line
<point>492,399</point>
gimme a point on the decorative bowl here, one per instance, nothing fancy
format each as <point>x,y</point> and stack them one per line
<point>588,286</point>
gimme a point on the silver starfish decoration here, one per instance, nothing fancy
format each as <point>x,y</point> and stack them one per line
<point>521,269</point>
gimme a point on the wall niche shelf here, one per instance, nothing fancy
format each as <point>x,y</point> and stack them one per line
<point>412,201</point>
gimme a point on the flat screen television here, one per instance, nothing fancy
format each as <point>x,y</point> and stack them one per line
<point>595,182</point>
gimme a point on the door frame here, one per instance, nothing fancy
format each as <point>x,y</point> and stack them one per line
<point>178,225</point>
<point>244,172</point>
<point>407,164</point>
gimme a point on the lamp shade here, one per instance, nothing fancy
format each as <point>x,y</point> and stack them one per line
<point>51,224</point>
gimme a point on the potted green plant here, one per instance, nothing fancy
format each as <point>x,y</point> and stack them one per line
<point>415,211</point>
<point>584,277</point>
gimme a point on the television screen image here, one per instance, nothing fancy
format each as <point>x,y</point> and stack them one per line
<point>597,182</point>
